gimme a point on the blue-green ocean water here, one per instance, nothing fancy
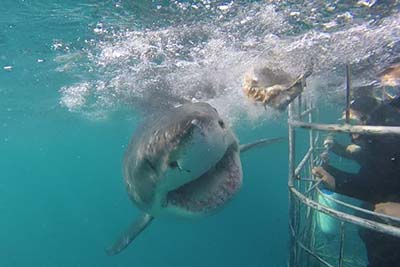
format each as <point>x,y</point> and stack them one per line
<point>76,78</point>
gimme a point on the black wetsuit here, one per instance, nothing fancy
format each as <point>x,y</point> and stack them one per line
<point>378,180</point>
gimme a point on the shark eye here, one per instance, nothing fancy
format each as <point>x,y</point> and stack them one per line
<point>222,124</point>
<point>173,165</point>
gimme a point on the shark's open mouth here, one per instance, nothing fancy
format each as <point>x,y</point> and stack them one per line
<point>212,189</point>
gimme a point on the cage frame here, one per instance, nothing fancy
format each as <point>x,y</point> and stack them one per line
<point>295,121</point>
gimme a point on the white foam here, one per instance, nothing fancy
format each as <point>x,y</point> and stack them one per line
<point>205,59</point>
<point>74,97</point>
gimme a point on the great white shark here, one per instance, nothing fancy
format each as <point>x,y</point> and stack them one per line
<point>185,163</point>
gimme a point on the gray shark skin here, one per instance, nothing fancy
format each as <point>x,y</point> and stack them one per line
<point>185,163</point>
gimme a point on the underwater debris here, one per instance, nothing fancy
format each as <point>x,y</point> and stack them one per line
<point>8,68</point>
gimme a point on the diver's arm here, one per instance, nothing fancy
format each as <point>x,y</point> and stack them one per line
<point>341,150</point>
<point>351,151</point>
<point>345,183</point>
<point>388,208</point>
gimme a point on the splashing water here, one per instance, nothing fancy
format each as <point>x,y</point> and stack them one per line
<point>200,50</point>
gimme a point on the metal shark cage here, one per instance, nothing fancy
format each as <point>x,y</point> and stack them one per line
<point>309,246</point>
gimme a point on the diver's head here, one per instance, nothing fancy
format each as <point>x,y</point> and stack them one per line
<point>361,108</point>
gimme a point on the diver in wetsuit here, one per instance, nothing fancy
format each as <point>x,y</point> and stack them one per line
<point>377,182</point>
<point>360,110</point>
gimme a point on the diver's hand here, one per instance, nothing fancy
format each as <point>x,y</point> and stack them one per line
<point>353,149</point>
<point>325,176</point>
<point>388,208</point>
<point>329,142</point>
<point>324,156</point>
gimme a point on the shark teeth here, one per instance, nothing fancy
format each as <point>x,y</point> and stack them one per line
<point>222,182</point>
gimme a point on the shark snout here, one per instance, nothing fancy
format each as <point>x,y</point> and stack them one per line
<point>200,150</point>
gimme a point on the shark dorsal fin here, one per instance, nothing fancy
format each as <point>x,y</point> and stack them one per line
<point>261,142</point>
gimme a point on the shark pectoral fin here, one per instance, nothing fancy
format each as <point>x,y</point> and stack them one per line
<point>261,142</point>
<point>130,234</point>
